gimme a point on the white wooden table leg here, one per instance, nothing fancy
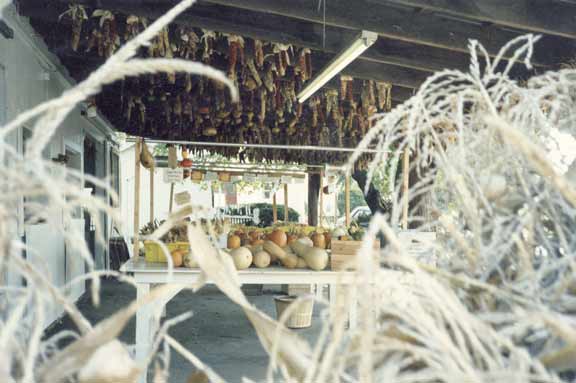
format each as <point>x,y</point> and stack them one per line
<point>353,313</point>
<point>332,296</point>
<point>143,328</point>
<point>319,291</point>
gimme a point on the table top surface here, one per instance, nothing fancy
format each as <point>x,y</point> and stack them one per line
<point>139,265</point>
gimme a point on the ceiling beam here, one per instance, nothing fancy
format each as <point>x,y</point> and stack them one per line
<point>285,30</point>
<point>388,21</point>
<point>542,16</point>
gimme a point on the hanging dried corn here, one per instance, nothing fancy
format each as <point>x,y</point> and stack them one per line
<point>282,57</point>
<point>235,54</point>
<point>208,38</point>
<point>77,15</point>
<point>259,53</point>
<point>134,25</point>
<point>384,92</point>
<point>146,158</point>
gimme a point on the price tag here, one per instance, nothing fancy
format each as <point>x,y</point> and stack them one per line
<point>248,177</point>
<point>182,198</point>
<point>229,188</point>
<point>173,175</point>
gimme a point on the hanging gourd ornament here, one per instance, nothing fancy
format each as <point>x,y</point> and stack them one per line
<point>186,162</point>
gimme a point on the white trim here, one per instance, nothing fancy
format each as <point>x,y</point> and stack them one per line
<point>50,62</point>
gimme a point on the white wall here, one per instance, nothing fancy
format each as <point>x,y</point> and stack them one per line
<point>32,76</point>
<point>161,192</point>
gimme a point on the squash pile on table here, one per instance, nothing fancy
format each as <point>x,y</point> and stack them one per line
<point>290,250</point>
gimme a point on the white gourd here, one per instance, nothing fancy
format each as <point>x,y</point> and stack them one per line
<point>262,259</point>
<point>242,258</point>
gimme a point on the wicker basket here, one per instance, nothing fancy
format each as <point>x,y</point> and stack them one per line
<point>301,317</point>
<point>153,251</point>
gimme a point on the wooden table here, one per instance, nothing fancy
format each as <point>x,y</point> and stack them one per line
<point>147,274</point>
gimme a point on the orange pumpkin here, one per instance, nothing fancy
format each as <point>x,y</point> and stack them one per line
<point>291,238</point>
<point>318,240</point>
<point>278,237</point>
<point>254,235</point>
<point>244,239</point>
<point>234,242</point>
<point>178,257</point>
<point>257,242</point>
<point>328,238</point>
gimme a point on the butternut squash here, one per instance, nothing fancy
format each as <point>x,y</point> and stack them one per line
<point>316,259</point>
<point>274,250</point>
<point>301,264</point>
<point>290,261</point>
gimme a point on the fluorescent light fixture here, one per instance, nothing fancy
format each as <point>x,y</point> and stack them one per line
<point>358,46</point>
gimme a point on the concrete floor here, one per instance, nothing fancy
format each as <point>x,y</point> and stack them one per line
<point>218,332</point>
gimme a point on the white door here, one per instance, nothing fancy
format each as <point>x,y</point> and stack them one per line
<point>74,263</point>
<point>45,250</point>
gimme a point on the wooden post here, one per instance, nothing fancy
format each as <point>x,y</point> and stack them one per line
<point>335,206</point>
<point>152,194</point>
<point>321,208</point>
<point>313,192</point>
<point>171,197</point>
<point>274,209</point>
<point>137,148</point>
<point>405,187</point>
<point>286,217</point>
<point>347,198</point>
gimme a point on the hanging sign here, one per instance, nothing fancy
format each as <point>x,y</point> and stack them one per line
<point>224,176</point>
<point>229,188</point>
<point>332,171</point>
<point>211,176</point>
<point>197,175</point>
<point>173,175</point>
<point>298,180</point>
<point>286,179</point>
<point>182,198</point>
<point>420,245</point>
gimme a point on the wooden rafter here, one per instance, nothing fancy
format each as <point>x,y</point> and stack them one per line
<point>285,30</point>
<point>542,16</point>
<point>389,21</point>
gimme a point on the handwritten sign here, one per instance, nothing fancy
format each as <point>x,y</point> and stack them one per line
<point>173,175</point>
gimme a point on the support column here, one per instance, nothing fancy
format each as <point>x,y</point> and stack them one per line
<point>313,193</point>
<point>347,199</point>
<point>274,209</point>
<point>321,212</point>
<point>286,216</point>
<point>152,194</point>
<point>405,187</point>
<point>137,148</point>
